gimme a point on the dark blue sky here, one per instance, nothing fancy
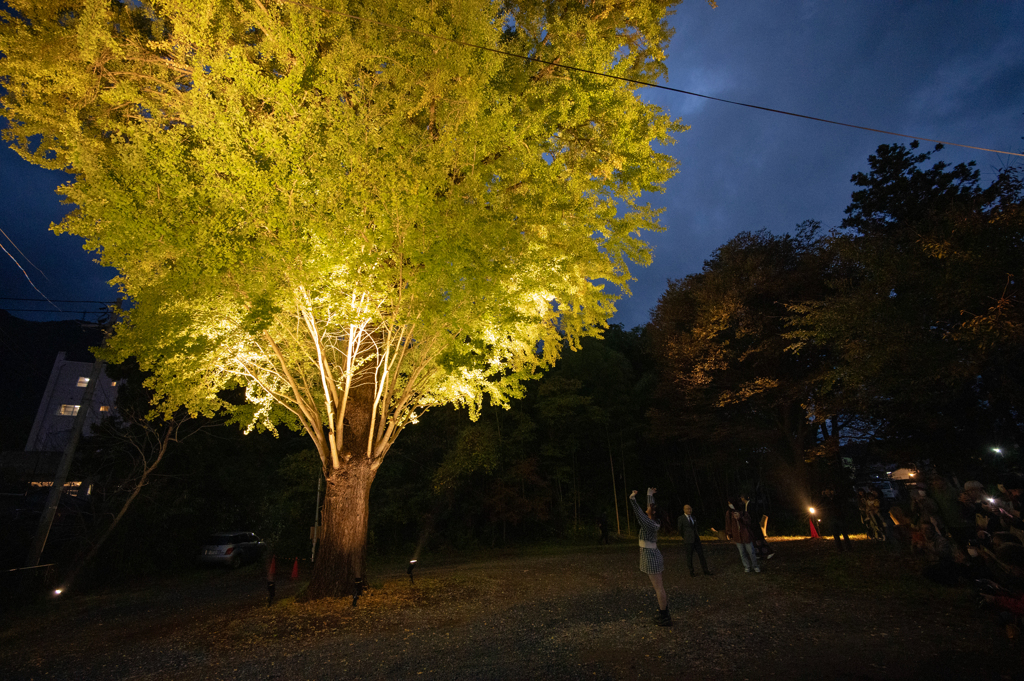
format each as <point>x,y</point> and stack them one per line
<point>943,70</point>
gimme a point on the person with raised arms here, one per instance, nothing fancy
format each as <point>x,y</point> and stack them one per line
<point>651,562</point>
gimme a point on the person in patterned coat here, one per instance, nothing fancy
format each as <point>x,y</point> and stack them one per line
<point>651,563</point>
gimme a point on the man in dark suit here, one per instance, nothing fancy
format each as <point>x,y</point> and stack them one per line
<point>687,527</point>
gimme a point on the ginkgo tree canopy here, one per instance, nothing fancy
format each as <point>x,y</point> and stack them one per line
<point>353,211</point>
<point>237,161</point>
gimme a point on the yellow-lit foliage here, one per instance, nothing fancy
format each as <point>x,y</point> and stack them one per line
<point>335,201</point>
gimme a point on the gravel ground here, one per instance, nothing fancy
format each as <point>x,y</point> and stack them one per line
<point>570,613</point>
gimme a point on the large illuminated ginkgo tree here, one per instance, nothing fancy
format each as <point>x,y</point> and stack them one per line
<point>351,211</point>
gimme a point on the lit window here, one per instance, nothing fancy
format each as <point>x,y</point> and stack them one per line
<point>68,410</point>
<point>113,384</point>
<point>83,381</point>
<point>104,408</point>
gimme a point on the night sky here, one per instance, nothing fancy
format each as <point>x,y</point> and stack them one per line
<point>952,71</point>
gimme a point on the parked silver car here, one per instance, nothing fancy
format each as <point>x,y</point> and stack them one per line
<point>231,549</point>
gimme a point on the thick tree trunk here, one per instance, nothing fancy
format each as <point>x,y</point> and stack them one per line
<point>341,557</point>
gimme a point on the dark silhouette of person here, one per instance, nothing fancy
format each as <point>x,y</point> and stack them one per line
<point>602,524</point>
<point>761,547</point>
<point>837,512</point>
<point>690,532</point>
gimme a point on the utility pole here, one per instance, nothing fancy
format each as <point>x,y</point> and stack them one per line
<point>53,498</point>
<point>625,494</point>
<point>316,514</point>
<point>615,493</point>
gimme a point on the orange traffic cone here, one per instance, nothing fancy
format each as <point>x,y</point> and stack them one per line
<point>814,531</point>
<point>295,570</point>
<point>272,570</point>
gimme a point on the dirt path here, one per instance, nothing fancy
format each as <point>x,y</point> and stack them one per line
<point>572,614</point>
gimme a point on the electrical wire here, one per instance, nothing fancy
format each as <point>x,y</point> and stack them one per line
<point>23,255</point>
<point>643,83</point>
<point>31,283</point>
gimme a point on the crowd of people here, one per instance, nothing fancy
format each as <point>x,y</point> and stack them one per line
<point>967,534</point>
<point>740,529</point>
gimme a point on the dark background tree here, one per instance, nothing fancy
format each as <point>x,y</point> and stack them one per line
<point>541,469</point>
<point>166,484</point>
<point>923,308</point>
<point>728,388</point>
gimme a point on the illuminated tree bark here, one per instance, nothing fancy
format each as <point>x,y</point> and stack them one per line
<point>342,556</point>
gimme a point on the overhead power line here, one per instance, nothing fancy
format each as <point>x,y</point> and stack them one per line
<point>749,106</point>
<point>644,83</point>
